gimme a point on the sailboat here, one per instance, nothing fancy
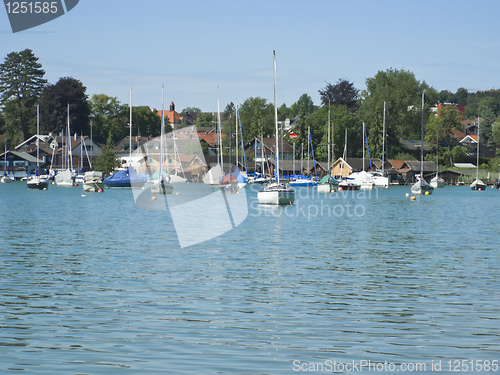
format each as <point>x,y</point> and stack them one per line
<point>5,178</point>
<point>363,178</point>
<point>234,180</point>
<point>128,178</point>
<point>436,181</point>
<point>276,193</point>
<point>161,185</point>
<point>240,177</point>
<point>422,187</point>
<point>379,177</point>
<point>307,180</point>
<point>215,174</point>
<point>346,183</point>
<point>175,178</point>
<point>67,177</point>
<point>477,184</point>
<point>328,184</point>
<point>37,182</point>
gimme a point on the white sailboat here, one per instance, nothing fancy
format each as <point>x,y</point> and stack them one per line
<point>422,187</point>
<point>364,179</point>
<point>276,193</point>
<point>346,183</point>
<point>67,177</point>
<point>37,182</point>
<point>379,177</point>
<point>5,178</point>
<point>162,185</point>
<point>477,184</point>
<point>215,174</point>
<point>328,184</point>
<point>241,178</point>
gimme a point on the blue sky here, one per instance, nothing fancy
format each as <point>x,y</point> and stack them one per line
<point>193,46</point>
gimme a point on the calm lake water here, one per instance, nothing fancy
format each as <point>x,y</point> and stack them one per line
<point>95,285</point>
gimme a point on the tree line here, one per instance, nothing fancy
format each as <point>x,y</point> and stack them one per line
<point>23,87</point>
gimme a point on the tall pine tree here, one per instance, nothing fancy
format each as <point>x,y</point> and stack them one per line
<point>21,82</point>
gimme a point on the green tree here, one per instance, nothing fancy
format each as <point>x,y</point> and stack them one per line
<point>341,118</point>
<point>304,106</point>
<point>54,107</point>
<point>145,122</point>
<point>106,162</point>
<point>191,110</point>
<point>495,133</point>
<point>437,131</point>
<point>205,120</point>
<point>21,82</point>
<point>486,126</point>
<point>402,94</point>
<point>107,116</point>
<point>257,118</point>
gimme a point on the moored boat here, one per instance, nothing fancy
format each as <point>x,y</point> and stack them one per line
<point>422,187</point>
<point>93,182</point>
<point>348,185</point>
<point>37,182</point>
<point>276,193</point>
<point>437,182</point>
<point>478,185</point>
<point>126,179</point>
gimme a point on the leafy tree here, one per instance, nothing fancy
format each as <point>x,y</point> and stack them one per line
<point>106,116</point>
<point>341,118</point>
<point>106,162</point>
<point>257,118</point>
<point>54,107</point>
<point>486,126</point>
<point>446,96</point>
<point>461,96</point>
<point>342,93</point>
<point>304,106</point>
<point>191,110</point>
<point>402,94</point>
<point>437,131</point>
<point>145,121</point>
<point>205,120</point>
<point>21,82</point>
<point>496,131</point>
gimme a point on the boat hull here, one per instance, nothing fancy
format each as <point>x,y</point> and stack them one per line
<point>327,188</point>
<point>162,187</point>
<point>124,180</point>
<point>6,180</point>
<point>303,183</point>
<point>93,187</point>
<point>421,187</point>
<point>37,184</point>
<point>349,186</point>
<point>478,185</point>
<point>276,194</point>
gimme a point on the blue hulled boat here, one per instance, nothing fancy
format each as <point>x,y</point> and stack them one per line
<point>125,180</point>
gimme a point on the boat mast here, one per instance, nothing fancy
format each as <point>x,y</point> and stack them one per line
<point>162,134</point>
<point>363,146</point>
<point>276,120</point>
<point>130,135</point>
<point>70,156</point>
<point>477,162</point>
<point>383,143</point>
<point>37,136</point>
<point>422,142</point>
<point>220,131</point>
<point>236,133</point>
<point>329,142</point>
